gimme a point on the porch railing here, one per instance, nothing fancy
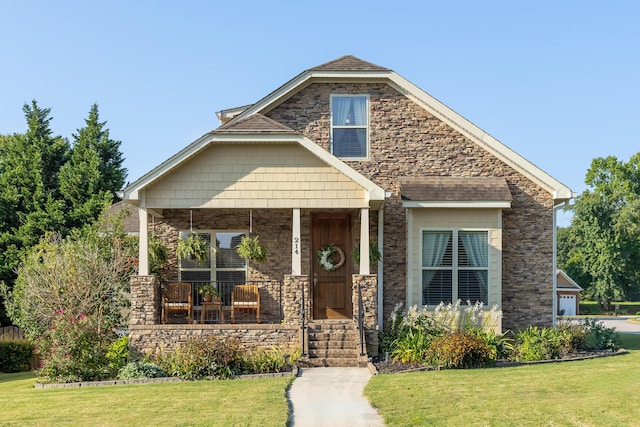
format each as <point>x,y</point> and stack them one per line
<point>268,310</point>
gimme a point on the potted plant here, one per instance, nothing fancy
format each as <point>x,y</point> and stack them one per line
<point>251,248</point>
<point>193,247</point>
<point>158,254</point>
<point>209,292</point>
<point>374,253</point>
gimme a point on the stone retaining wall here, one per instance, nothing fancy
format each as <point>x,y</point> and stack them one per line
<point>153,339</point>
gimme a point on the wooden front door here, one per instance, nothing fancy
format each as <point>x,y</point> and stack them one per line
<point>332,288</point>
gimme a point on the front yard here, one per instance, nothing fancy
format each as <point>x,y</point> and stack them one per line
<point>593,392</point>
<point>260,402</point>
<point>586,393</point>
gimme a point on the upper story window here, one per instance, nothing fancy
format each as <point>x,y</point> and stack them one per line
<point>350,126</point>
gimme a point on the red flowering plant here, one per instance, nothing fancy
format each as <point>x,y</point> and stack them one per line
<point>73,349</point>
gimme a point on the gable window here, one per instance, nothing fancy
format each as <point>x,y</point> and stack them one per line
<point>455,265</point>
<point>349,126</point>
<point>223,266</point>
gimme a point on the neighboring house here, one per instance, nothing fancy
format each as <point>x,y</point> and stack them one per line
<point>568,294</point>
<point>130,216</point>
<point>345,154</point>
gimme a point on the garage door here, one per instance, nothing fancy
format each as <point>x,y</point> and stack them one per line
<point>568,305</point>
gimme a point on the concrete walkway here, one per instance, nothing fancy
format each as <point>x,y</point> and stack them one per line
<point>332,397</point>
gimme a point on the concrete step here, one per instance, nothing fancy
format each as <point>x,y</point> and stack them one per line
<point>332,353</point>
<point>331,326</point>
<point>326,336</point>
<point>332,362</point>
<point>333,344</point>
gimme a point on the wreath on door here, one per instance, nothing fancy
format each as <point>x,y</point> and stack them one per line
<point>325,257</point>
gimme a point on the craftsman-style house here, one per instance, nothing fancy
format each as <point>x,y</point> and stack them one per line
<point>365,191</point>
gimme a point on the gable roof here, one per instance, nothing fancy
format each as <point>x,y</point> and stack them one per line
<point>348,63</point>
<point>248,130</point>
<point>566,283</point>
<point>349,69</point>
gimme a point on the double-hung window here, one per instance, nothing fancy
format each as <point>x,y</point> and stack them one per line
<point>350,126</point>
<point>455,265</point>
<point>227,270</point>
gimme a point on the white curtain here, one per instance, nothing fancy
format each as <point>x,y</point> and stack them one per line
<point>477,249</point>
<point>434,246</point>
<point>341,106</point>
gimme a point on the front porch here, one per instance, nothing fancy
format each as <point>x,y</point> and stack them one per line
<point>284,321</point>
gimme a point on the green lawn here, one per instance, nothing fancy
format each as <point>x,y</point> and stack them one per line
<point>221,403</point>
<point>585,393</point>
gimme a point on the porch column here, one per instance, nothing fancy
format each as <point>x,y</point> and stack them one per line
<point>143,250</point>
<point>296,255</point>
<point>364,241</point>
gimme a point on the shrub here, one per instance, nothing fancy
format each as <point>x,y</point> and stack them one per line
<point>575,333</point>
<point>15,356</point>
<point>599,337</point>
<point>204,357</point>
<point>500,346</point>
<point>269,361</point>
<point>460,350</point>
<point>412,345</point>
<point>118,354</point>
<point>139,370</point>
<point>542,344</point>
<point>73,349</point>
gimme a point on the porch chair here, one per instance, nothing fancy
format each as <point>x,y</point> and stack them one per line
<point>177,297</point>
<point>245,298</point>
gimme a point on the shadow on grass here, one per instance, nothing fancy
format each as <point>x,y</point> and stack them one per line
<point>16,376</point>
<point>630,341</point>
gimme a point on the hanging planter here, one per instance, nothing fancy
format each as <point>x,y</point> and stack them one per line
<point>374,253</point>
<point>251,248</point>
<point>158,254</point>
<point>193,247</point>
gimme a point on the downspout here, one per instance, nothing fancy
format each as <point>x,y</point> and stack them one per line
<point>556,208</point>
<point>380,268</point>
<point>387,195</point>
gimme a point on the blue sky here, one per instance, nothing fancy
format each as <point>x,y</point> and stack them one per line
<point>558,82</point>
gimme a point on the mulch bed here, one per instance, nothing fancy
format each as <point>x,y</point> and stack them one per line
<point>381,366</point>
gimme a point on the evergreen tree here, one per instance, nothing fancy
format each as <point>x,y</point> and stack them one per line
<point>93,174</point>
<point>29,204</point>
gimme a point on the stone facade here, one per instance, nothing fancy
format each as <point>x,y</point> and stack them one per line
<point>145,301</point>
<point>367,286</point>
<point>405,140</point>
<point>155,339</point>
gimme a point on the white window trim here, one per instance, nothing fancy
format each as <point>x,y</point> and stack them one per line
<point>212,254</point>
<point>367,127</point>
<point>454,261</point>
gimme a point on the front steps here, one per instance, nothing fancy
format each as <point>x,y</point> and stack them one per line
<point>334,343</point>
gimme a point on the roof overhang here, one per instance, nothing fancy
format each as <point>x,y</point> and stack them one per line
<point>455,192</point>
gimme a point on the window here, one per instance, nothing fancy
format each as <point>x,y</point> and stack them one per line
<point>229,268</point>
<point>454,271</point>
<point>349,125</point>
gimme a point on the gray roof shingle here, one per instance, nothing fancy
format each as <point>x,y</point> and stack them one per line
<point>451,188</point>
<point>348,63</point>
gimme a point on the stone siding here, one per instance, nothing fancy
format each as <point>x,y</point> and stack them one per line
<point>368,285</point>
<point>155,339</point>
<point>405,140</point>
<point>145,301</point>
